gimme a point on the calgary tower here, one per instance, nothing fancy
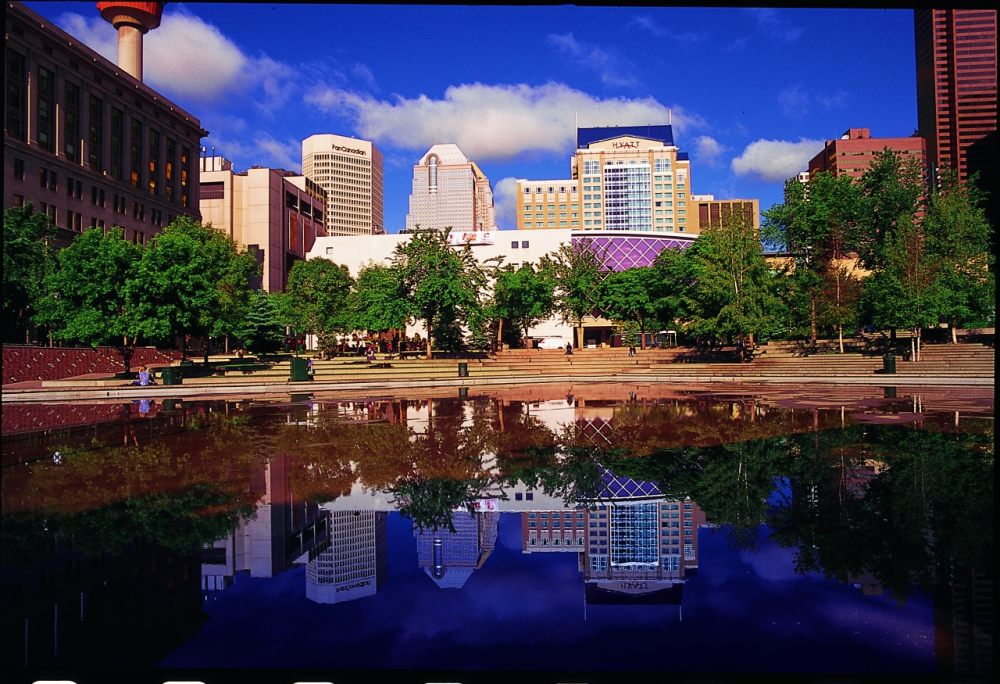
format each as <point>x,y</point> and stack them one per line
<point>132,20</point>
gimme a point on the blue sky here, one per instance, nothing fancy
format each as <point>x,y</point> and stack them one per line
<point>752,93</point>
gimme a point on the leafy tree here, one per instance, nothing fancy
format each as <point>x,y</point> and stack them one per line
<point>262,331</point>
<point>904,293</point>
<point>192,279</point>
<point>378,301</point>
<point>818,223</point>
<point>441,283</point>
<point>629,296</point>
<point>959,239</point>
<point>27,259</point>
<point>577,270</point>
<point>524,296</point>
<point>87,297</point>
<point>731,295</point>
<point>319,293</point>
<point>891,189</point>
<point>672,276</point>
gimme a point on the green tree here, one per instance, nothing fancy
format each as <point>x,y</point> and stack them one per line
<point>890,189</point>
<point>87,298</point>
<point>27,259</point>
<point>319,294</point>
<point>959,239</point>
<point>577,270</point>
<point>672,274</point>
<point>378,301</point>
<point>818,223</point>
<point>732,292</point>
<point>262,330</point>
<point>630,296</point>
<point>192,279</point>
<point>904,292</point>
<point>441,283</point>
<point>524,296</point>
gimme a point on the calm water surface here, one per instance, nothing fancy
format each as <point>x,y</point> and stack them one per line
<point>589,534</point>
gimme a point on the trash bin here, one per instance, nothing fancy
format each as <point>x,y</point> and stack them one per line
<point>171,375</point>
<point>463,370</point>
<point>300,370</point>
<point>889,363</point>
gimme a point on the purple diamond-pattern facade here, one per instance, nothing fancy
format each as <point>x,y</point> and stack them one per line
<point>630,251</point>
<point>618,487</point>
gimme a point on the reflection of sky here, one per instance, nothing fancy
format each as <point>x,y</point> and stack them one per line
<point>743,612</point>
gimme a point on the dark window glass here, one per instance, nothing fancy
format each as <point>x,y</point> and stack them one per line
<point>17,87</point>
<point>168,170</point>
<point>46,109</point>
<point>135,154</point>
<point>154,162</point>
<point>71,122</point>
<point>95,138</point>
<point>117,142</point>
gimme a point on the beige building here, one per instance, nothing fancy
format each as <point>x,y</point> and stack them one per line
<point>273,213</point>
<point>625,178</point>
<point>449,191</point>
<point>350,171</point>
<point>548,204</point>
<point>88,144</point>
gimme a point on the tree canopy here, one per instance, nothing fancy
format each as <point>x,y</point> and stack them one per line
<point>27,259</point>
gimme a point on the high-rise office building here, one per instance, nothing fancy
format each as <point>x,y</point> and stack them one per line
<point>449,191</point>
<point>350,171</point>
<point>956,59</point>
<point>86,142</point>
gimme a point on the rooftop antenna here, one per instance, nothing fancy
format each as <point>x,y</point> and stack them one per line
<point>670,117</point>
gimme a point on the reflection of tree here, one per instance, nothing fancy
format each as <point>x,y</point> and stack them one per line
<point>927,506</point>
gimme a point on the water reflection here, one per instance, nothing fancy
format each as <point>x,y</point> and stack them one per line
<point>116,538</point>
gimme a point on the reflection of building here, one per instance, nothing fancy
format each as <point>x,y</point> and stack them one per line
<point>639,546</point>
<point>274,214</point>
<point>449,191</point>
<point>555,530</point>
<point>963,622</point>
<point>350,171</point>
<point>449,558</point>
<point>281,532</point>
<point>355,563</point>
<point>86,143</point>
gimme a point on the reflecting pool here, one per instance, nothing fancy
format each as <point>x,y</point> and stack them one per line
<point>593,533</point>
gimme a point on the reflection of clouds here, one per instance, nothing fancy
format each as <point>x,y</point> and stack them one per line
<point>772,562</point>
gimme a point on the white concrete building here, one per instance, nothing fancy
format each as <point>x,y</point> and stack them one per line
<point>516,247</point>
<point>350,171</point>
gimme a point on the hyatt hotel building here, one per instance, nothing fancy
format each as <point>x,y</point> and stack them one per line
<point>85,142</point>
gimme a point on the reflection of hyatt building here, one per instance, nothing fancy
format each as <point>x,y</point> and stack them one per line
<point>355,563</point>
<point>450,557</point>
<point>639,547</point>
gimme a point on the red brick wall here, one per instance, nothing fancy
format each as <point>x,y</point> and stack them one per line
<point>23,362</point>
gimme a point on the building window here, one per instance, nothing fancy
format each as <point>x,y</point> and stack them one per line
<point>185,188</point>
<point>117,142</point>
<point>46,109</point>
<point>17,87</point>
<point>513,244</point>
<point>168,170</point>
<point>18,168</point>
<point>154,161</point>
<point>95,138</point>
<point>432,173</point>
<point>71,122</point>
<point>524,244</point>
<point>135,154</point>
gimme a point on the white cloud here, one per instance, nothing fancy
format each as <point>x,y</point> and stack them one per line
<point>708,150</point>
<point>611,69</point>
<point>794,102</point>
<point>493,121</point>
<point>653,27</point>
<point>774,25</point>
<point>776,159</point>
<point>505,202</point>
<point>187,57</point>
